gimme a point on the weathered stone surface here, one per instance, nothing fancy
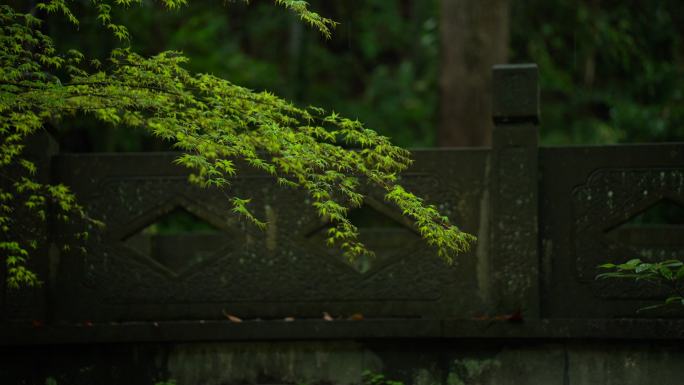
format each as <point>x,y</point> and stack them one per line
<point>589,198</point>
<point>522,308</point>
<point>610,199</point>
<point>617,364</point>
<point>285,271</point>
<point>516,93</point>
<point>85,332</point>
<point>513,255</point>
<point>422,362</point>
<point>266,363</point>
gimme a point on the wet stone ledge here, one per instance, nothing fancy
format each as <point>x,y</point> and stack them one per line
<point>35,333</point>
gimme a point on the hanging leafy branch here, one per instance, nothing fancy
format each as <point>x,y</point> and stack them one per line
<point>214,122</point>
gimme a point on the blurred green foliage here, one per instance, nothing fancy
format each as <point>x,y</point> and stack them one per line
<point>380,65</point>
<point>611,71</point>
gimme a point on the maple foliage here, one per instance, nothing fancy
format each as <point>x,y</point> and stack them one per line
<point>213,121</point>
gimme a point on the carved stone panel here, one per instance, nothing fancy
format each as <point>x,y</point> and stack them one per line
<point>172,250</point>
<point>602,204</point>
<point>622,214</point>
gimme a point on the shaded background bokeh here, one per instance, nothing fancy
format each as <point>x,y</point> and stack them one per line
<point>610,71</point>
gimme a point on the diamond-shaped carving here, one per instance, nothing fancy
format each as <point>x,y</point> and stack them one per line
<point>388,234</point>
<point>661,224</point>
<point>178,240</point>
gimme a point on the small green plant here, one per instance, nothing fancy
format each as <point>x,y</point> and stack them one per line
<point>668,275</point>
<point>370,378</point>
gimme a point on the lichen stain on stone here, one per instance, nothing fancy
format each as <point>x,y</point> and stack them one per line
<point>464,371</point>
<point>271,229</point>
<point>254,363</point>
<point>471,371</point>
<point>518,282</point>
<point>484,281</point>
<point>547,255</point>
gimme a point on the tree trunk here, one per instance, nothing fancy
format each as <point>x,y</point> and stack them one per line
<point>474,36</point>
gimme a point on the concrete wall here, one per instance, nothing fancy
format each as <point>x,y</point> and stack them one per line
<point>423,362</point>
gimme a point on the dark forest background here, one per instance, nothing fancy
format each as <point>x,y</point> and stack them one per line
<point>418,71</point>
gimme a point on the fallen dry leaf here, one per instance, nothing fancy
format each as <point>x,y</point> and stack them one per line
<point>327,316</point>
<point>231,317</point>
<point>289,319</point>
<point>356,317</point>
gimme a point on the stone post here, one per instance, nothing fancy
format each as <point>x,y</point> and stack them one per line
<point>514,184</point>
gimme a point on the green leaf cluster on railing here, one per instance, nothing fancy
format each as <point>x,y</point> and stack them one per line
<point>668,275</point>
